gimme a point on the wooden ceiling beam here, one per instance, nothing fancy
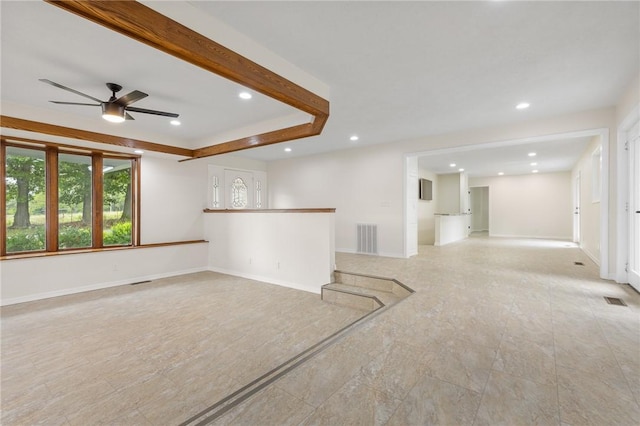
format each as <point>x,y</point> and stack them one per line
<point>142,23</point>
<point>69,132</point>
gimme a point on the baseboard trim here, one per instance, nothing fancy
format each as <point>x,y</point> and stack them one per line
<point>92,287</point>
<point>533,237</point>
<point>591,256</point>
<point>382,254</point>
<point>268,280</point>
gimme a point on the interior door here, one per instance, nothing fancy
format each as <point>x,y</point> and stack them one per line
<point>633,143</point>
<point>576,210</point>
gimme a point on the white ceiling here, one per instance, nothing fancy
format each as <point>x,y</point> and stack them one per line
<point>551,155</point>
<point>396,70</point>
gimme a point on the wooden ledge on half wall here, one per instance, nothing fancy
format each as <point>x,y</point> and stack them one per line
<point>27,255</point>
<point>308,210</point>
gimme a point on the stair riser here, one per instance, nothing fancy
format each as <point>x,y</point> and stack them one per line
<point>365,282</point>
<point>349,300</point>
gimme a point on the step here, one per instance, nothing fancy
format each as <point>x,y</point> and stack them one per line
<point>350,296</point>
<point>362,291</point>
<point>372,282</point>
<point>387,298</point>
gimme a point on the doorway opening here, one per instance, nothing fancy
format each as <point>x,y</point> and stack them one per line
<point>440,161</point>
<point>479,205</point>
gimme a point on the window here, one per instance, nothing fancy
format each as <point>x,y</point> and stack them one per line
<point>75,194</point>
<point>117,211</point>
<point>238,194</point>
<point>60,198</point>
<point>25,201</point>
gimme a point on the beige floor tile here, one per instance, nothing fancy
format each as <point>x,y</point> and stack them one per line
<point>509,400</point>
<point>355,404</point>
<point>315,381</point>
<point>271,406</point>
<point>460,363</point>
<point>394,371</point>
<point>435,402</point>
<point>585,400</point>
<point>527,360</point>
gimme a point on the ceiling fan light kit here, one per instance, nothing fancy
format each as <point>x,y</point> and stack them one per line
<point>115,110</point>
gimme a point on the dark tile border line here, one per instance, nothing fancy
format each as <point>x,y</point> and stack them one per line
<point>229,402</point>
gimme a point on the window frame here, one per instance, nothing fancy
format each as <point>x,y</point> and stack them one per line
<point>52,151</point>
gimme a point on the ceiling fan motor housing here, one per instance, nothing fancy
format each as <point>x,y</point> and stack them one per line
<point>115,88</point>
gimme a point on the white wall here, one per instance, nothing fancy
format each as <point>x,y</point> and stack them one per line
<point>49,276</point>
<point>365,186</point>
<point>426,211</point>
<point>532,206</point>
<point>449,193</point>
<point>172,198</point>
<point>589,209</point>
<point>295,250</point>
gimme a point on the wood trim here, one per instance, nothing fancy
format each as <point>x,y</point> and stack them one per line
<point>142,23</point>
<point>269,138</point>
<point>85,135</point>
<point>3,201</point>
<point>97,188</point>
<point>51,214</point>
<point>311,210</point>
<point>18,141</point>
<point>135,202</point>
<point>97,250</point>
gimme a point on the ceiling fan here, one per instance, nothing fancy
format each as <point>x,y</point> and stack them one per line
<point>115,109</point>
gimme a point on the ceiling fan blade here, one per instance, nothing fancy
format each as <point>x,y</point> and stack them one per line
<point>128,116</point>
<point>72,103</point>
<point>150,111</point>
<point>60,86</point>
<point>130,98</point>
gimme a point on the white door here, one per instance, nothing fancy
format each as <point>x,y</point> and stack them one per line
<point>576,210</point>
<point>239,189</point>
<point>633,139</point>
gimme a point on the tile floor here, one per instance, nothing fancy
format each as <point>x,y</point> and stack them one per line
<point>499,331</point>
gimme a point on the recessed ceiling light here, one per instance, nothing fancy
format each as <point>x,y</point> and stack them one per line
<point>534,171</point>
<point>523,105</point>
<point>534,164</point>
<point>354,138</point>
<point>175,122</point>
<point>452,165</point>
<point>287,149</point>
<point>501,174</point>
<point>532,154</point>
<point>461,170</point>
<point>138,151</point>
<point>245,95</point>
